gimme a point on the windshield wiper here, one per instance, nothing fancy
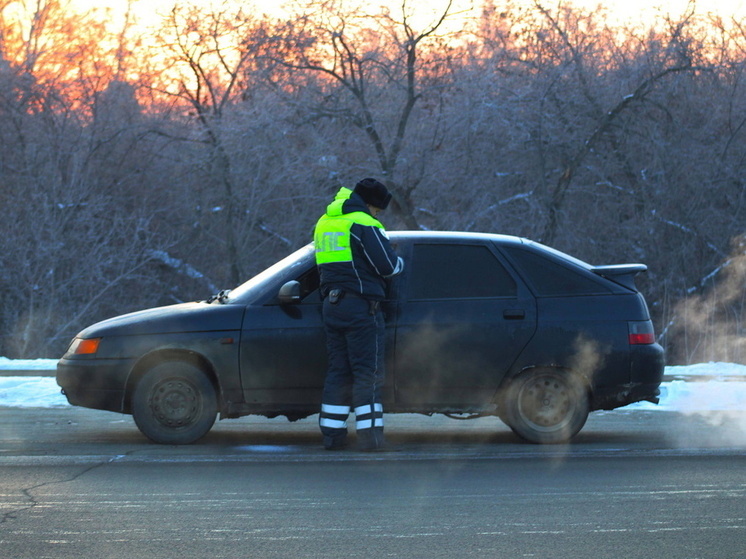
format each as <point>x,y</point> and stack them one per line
<point>220,297</point>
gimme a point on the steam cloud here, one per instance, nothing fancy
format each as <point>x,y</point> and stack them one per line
<point>712,326</point>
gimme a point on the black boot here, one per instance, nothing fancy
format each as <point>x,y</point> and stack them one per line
<point>371,440</point>
<point>335,443</point>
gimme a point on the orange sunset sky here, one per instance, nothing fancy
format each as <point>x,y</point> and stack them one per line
<point>626,10</point>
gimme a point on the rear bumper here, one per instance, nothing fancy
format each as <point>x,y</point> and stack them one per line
<point>647,365</point>
<point>94,383</point>
<point>610,399</point>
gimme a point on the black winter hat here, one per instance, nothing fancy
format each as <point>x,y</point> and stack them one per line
<point>373,193</point>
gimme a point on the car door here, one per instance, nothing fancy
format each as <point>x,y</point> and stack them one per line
<point>283,352</point>
<point>283,356</point>
<point>463,318</point>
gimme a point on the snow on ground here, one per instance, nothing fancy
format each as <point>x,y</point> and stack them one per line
<point>31,392</point>
<point>695,389</point>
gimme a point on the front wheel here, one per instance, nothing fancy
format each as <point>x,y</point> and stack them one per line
<point>546,406</point>
<point>174,403</point>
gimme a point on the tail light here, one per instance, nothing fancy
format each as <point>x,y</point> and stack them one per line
<point>641,333</point>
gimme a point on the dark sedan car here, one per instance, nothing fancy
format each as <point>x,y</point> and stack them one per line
<point>477,324</point>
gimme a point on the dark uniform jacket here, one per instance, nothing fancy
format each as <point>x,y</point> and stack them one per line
<point>352,250</point>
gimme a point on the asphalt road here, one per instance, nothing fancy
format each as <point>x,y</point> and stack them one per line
<point>81,483</point>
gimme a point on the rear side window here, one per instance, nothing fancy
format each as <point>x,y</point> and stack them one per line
<point>550,279</point>
<point>458,272</point>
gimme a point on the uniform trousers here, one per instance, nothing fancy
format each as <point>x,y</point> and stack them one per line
<point>355,337</point>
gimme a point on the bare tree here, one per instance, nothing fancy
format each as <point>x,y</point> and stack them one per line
<point>207,68</point>
<point>70,154</point>
<point>238,145</point>
<point>359,57</point>
<point>604,118</point>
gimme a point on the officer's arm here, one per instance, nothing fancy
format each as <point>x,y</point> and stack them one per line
<point>378,251</point>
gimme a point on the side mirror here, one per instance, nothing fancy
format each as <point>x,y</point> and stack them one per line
<point>289,293</point>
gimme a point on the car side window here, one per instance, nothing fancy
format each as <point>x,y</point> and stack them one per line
<point>309,286</point>
<point>445,271</point>
<point>550,279</point>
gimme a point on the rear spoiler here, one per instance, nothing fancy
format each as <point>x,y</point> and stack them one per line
<point>623,274</point>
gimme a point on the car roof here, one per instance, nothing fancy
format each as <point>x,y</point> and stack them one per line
<point>456,236</point>
<point>492,237</point>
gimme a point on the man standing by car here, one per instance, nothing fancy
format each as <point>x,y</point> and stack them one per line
<point>354,257</point>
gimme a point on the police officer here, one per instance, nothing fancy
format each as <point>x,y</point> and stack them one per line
<point>354,257</point>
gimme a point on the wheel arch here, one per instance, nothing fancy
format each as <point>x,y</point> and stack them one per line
<point>150,360</point>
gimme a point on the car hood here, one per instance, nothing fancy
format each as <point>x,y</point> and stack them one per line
<point>185,317</point>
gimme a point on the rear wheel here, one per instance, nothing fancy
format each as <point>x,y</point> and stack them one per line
<point>174,403</point>
<point>546,406</point>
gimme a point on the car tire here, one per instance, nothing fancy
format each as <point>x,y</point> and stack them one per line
<point>174,403</point>
<point>546,406</point>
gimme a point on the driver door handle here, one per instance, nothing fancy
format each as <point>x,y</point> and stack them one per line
<point>514,314</point>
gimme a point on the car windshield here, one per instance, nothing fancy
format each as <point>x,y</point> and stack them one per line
<point>257,283</point>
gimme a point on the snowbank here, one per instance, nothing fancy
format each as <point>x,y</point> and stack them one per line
<point>27,364</point>
<point>31,392</point>
<point>700,388</point>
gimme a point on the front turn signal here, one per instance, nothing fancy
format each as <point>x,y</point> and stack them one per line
<point>87,346</point>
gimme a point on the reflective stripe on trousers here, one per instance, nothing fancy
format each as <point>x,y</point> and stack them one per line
<point>334,417</point>
<point>369,416</point>
<point>366,417</point>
